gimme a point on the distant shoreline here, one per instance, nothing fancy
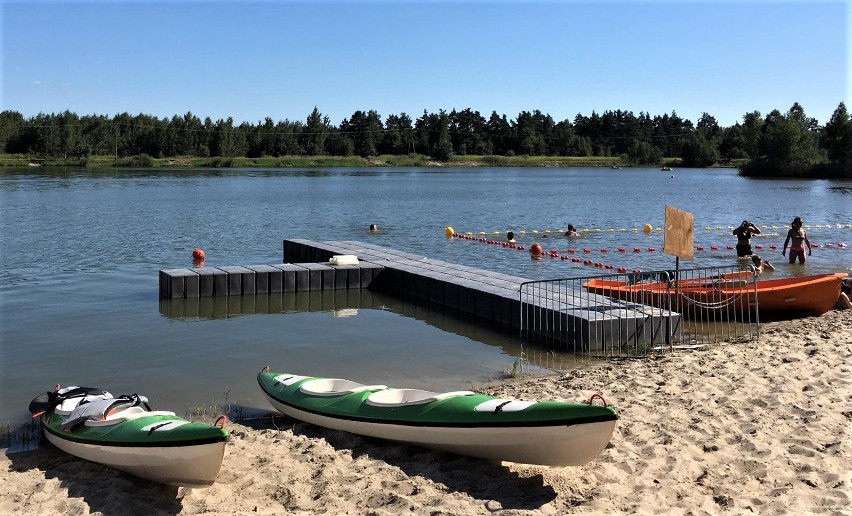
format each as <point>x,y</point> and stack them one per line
<point>413,160</point>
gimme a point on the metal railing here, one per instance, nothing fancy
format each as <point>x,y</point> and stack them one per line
<point>638,313</point>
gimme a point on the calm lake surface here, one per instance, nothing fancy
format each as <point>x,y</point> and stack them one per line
<point>80,253</point>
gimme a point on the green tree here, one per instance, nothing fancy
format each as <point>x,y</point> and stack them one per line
<point>698,151</point>
<point>806,145</point>
<point>11,128</point>
<point>644,153</point>
<point>498,131</point>
<point>227,140</point>
<point>339,144</point>
<point>467,132</point>
<point>531,141</point>
<point>433,133</point>
<point>287,138</point>
<point>752,129</point>
<point>314,133</point>
<point>398,137</point>
<point>365,130</point>
<point>838,136</point>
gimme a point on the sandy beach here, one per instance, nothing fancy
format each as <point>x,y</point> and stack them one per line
<point>752,427</point>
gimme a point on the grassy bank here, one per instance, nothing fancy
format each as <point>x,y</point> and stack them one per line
<point>411,160</point>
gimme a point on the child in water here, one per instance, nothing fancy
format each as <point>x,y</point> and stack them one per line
<point>761,265</point>
<point>796,237</point>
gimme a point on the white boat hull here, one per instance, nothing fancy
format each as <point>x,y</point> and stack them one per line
<point>557,445</point>
<point>186,466</point>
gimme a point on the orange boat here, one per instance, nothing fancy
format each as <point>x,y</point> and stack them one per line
<point>731,297</point>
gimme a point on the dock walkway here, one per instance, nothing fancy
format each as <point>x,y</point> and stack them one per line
<point>586,321</point>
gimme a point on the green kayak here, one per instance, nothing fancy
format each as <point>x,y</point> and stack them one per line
<point>124,433</point>
<point>545,432</point>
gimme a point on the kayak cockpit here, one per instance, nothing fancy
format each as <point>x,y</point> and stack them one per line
<point>336,387</point>
<point>404,397</point>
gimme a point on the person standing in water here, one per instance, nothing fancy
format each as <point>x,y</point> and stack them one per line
<point>796,237</point>
<point>744,234</point>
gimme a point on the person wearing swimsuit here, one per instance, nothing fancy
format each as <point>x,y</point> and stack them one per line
<point>744,234</point>
<point>796,237</point>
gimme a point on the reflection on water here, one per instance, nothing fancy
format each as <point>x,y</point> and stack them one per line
<point>348,303</point>
<point>234,306</point>
<point>841,189</point>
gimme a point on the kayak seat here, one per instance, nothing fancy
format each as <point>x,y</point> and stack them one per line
<point>403,397</point>
<point>336,387</point>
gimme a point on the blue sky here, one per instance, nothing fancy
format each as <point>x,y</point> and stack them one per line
<point>279,59</point>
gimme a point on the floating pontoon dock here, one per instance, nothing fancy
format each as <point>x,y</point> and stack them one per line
<point>586,321</point>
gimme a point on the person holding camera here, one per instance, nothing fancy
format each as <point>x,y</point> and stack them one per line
<point>744,234</point>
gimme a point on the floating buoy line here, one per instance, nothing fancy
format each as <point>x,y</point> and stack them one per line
<point>571,254</point>
<point>647,228</point>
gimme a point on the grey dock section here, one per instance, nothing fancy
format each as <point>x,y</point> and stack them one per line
<point>264,279</point>
<point>492,296</point>
<point>588,321</point>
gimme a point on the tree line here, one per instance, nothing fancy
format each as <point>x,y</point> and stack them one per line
<point>787,144</point>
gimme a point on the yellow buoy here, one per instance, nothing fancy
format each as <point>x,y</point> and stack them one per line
<point>449,231</point>
<point>647,228</point>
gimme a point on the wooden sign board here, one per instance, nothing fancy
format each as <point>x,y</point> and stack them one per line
<point>678,238</point>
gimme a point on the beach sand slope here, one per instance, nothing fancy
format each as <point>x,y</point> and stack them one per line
<point>748,427</point>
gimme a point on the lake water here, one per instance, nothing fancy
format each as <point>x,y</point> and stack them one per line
<point>80,253</point>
